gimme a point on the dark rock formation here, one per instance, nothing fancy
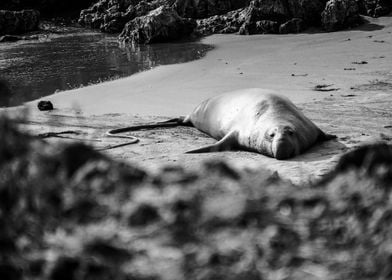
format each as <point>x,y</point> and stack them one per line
<point>206,8</point>
<point>111,16</point>
<point>307,10</point>
<point>340,14</point>
<point>17,22</point>
<point>259,27</point>
<point>47,8</point>
<point>275,10</point>
<point>230,16</point>
<point>375,8</point>
<point>228,23</point>
<point>293,16</point>
<point>294,25</point>
<point>160,25</point>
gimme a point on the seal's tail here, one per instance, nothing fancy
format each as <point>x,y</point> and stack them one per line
<point>180,121</point>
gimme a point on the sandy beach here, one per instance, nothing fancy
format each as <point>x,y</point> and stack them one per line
<point>353,68</point>
<point>290,64</point>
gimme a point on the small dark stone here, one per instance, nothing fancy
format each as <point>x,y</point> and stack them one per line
<point>45,106</point>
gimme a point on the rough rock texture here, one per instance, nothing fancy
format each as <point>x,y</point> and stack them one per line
<point>243,16</point>
<point>207,8</point>
<point>160,25</point>
<point>17,22</point>
<point>375,8</point>
<point>68,212</point>
<point>294,25</point>
<point>112,15</point>
<point>47,8</point>
<point>228,23</point>
<point>307,10</point>
<point>294,15</point>
<point>340,14</point>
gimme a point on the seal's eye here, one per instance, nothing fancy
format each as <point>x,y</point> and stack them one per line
<point>272,134</point>
<point>290,132</point>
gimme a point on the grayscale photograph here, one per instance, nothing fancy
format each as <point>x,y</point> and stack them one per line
<point>195,139</point>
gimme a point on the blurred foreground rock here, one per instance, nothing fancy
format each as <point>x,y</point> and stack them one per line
<point>68,212</point>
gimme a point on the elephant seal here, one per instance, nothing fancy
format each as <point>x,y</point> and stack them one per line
<point>253,119</point>
<point>256,120</point>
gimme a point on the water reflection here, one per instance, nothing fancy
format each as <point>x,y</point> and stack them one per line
<point>33,70</point>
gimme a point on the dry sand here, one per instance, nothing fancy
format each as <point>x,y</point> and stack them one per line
<point>356,64</point>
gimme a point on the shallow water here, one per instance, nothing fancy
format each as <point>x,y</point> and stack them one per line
<point>36,69</point>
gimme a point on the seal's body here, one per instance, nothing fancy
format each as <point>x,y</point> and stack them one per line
<point>256,120</point>
<point>253,119</point>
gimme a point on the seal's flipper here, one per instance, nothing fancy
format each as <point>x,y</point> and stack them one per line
<point>228,142</point>
<point>325,137</point>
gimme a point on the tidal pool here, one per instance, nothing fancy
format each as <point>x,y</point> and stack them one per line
<point>39,68</point>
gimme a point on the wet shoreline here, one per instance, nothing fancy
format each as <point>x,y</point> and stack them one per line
<point>81,57</point>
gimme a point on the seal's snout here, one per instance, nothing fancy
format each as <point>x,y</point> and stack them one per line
<point>283,150</point>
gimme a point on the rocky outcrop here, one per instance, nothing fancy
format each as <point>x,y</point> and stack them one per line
<point>48,8</point>
<point>228,23</point>
<point>294,25</point>
<point>111,16</point>
<point>206,8</point>
<point>160,25</point>
<point>231,16</point>
<point>292,16</point>
<point>375,8</point>
<point>17,22</point>
<point>307,10</point>
<point>340,14</point>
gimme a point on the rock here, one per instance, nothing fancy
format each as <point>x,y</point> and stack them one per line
<point>111,16</point>
<point>375,8</point>
<point>260,27</point>
<point>207,8</point>
<point>17,22</point>
<point>275,10</point>
<point>294,25</point>
<point>340,14</point>
<point>228,23</point>
<point>48,8</point>
<point>307,10</point>
<point>45,106</point>
<point>160,25</point>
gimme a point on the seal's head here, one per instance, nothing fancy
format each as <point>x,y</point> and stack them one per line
<point>283,142</point>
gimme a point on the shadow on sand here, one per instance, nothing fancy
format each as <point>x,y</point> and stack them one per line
<point>368,26</point>
<point>321,152</point>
